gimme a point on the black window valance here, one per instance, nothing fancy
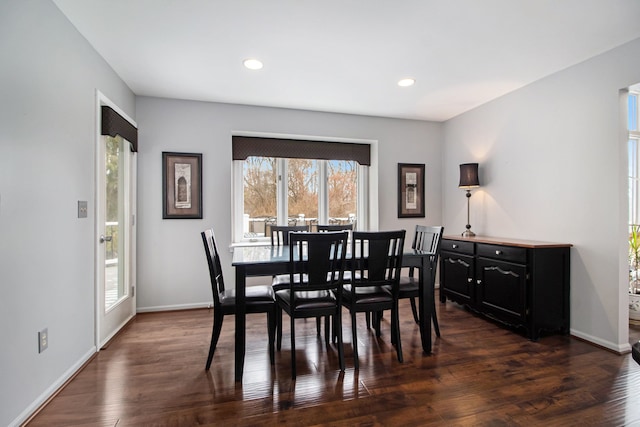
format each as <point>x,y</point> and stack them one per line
<point>114,124</point>
<point>245,146</point>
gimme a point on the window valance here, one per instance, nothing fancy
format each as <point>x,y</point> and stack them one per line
<point>114,124</point>
<point>245,146</point>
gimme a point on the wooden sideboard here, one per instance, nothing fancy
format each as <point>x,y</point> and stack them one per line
<point>518,282</point>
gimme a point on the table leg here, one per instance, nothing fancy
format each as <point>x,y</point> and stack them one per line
<point>241,278</point>
<point>426,303</point>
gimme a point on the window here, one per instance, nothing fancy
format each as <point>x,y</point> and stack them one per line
<point>302,184</point>
<point>342,185</point>
<point>259,190</point>
<point>634,159</point>
<point>296,190</point>
<point>634,199</point>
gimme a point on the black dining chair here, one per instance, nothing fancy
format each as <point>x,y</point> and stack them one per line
<point>426,239</point>
<point>280,237</point>
<point>335,227</point>
<point>259,299</point>
<point>375,268</point>
<point>314,289</point>
<point>323,228</point>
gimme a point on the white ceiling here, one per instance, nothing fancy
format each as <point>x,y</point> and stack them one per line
<point>347,55</point>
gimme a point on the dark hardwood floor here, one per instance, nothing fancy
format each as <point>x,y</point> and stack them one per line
<point>480,374</point>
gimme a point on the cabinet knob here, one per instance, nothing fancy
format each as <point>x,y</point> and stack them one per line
<point>479,282</point>
<point>498,252</point>
<point>469,279</point>
<point>454,246</point>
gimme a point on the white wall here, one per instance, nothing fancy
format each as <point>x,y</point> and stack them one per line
<point>552,168</point>
<point>172,271</point>
<point>48,78</point>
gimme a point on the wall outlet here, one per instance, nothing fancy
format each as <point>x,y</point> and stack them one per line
<point>82,208</point>
<point>43,340</point>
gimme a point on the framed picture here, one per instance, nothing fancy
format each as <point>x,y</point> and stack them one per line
<point>181,185</point>
<point>410,190</point>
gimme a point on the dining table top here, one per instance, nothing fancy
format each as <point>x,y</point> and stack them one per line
<point>267,254</point>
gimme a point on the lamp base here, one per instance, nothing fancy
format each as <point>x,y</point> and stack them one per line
<point>468,233</point>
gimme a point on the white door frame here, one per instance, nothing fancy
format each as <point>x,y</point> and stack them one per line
<point>129,305</point>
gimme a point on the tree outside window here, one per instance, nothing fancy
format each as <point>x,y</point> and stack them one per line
<point>303,189</point>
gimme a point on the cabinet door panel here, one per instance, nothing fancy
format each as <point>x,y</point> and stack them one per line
<point>457,273</point>
<point>501,289</point>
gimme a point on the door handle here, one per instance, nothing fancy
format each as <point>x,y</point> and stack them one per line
<point>104,238</point>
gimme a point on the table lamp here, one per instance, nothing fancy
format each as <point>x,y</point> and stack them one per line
<point>468,180</point>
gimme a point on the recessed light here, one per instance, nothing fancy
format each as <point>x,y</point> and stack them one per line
<point>252,64</point>
<point>406,82</point>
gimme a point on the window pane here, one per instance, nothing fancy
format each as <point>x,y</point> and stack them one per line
<point>343,191</point>
<point>633,158</point>
<point>259,174</point>
<point>633,181</point>
<point>302,191</point>
<point>633,112</point>
<point>114,217</point>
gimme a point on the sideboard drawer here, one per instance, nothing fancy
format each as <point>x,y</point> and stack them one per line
<point>457,246</point>
<point>505,253</point>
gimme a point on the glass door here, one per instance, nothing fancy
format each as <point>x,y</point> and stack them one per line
<point>116,202</point>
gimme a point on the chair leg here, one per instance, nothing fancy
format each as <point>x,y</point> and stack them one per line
<point>354,338</point>
<point>394,337</point>
<point>435,319</point>
<point>327,330</point>
<point>414,310</point>
<point>279,327</point>
<point>338,332</point>
<point>218,317</point>
<point>367,316</point>
<point>293,349</point>
<point>377,319</point>
<point>318,325</point>
<point>395,319</point>
<point>271,329</point>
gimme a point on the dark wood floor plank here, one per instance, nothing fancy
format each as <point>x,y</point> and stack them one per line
<point>479,373</point>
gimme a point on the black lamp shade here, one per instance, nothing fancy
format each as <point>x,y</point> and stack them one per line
<point>469,175</point>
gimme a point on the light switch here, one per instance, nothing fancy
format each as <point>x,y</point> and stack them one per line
<point>82,209</point>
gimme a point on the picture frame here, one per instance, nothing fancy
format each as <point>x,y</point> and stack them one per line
<point>411,190</point>
<point>181,185</point>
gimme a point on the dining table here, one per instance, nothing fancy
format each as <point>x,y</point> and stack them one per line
<point>267,260</point>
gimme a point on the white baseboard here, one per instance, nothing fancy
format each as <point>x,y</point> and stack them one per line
<point>618,348</point>
<point>52,389</point>
<point>174,307</point>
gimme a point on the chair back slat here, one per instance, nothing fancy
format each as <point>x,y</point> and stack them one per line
<point>215,268</point>
<point>317,261</point>
<point>427,239</point>
<point>280,233</point>
<point>377,257</point>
